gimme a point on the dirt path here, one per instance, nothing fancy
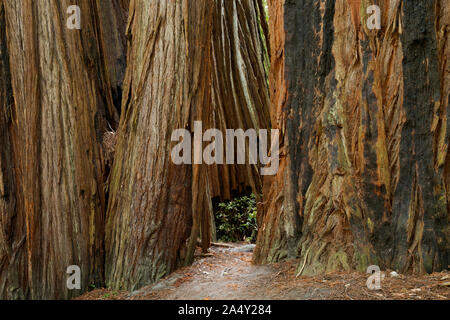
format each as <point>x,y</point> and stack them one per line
<point>228,274</point>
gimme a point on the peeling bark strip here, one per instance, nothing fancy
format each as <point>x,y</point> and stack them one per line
<point>364,114</point>
<point>156,207</point>
<point>53,215</point>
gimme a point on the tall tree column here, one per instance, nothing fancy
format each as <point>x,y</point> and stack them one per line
<point>60,102</point>
<point>364,117</point>
<point>156,206</point>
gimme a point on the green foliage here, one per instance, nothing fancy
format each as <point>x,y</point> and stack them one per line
<point>236,220</point>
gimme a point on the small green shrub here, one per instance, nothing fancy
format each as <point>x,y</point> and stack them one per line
<point>236,220</point>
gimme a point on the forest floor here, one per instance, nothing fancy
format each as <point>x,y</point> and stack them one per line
<point>227,273</point>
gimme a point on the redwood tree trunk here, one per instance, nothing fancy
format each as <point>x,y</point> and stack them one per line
<point>156,206</point>
<point>364,173</point>
<point>203,62</point>
<point>63,93</point>
<point>54,108</point>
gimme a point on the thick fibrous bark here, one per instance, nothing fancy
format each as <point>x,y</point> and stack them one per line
<point>63,93</point>
<point>156,206</point>
<point>364,119</point>
<point>53,210</point>
<point>12,256</point>
<point>240,93</point>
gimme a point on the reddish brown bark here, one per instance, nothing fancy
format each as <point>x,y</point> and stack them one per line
<point>155,205</point>
<point>54,213</point>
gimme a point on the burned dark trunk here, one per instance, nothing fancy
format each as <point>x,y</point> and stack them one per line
<point>364,119</point>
